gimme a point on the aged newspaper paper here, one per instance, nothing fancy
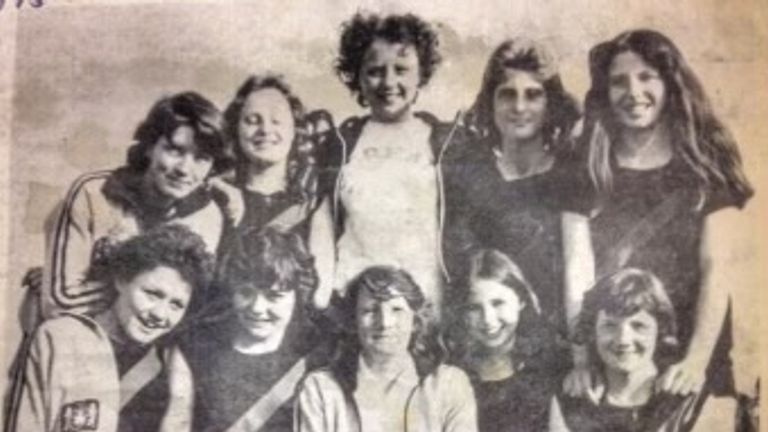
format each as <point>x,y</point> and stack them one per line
<point>76,77</point>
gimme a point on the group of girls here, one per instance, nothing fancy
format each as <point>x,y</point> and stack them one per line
<point>526,267</point>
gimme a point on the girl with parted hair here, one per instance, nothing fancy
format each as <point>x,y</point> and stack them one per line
<point>497,338</point>
<point>665,170</point>
<point>509,186</point>
<point>388,374</point>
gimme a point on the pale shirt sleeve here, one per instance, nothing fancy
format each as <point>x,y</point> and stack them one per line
<point>70,240</point>
<point>460,406</point>
<point>310,410</point>
<point>41,395</point>
<point>556,419</point>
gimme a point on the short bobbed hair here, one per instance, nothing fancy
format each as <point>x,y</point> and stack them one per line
<point>173,246</point>
<point>362,30</point>
<point>268,259</point>
<point>625,293</point>
<point>171,112</point>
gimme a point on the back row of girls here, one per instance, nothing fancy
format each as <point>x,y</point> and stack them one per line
<point>416,230</point>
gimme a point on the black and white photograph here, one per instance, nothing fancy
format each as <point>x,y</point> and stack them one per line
<point>382,216</point>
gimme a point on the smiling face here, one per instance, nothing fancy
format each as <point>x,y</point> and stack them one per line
<point>151,304</point>
<point>389,79</point>
<point>520,106</point>
<point>384,326</point>
<point>266,128</point>
<point>636,91</point>
<point>177,166</point>
<point>264,314</point>
<point>492,314</point>
<point>626,344</point>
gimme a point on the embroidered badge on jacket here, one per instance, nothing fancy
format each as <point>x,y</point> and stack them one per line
<point>80,416</point>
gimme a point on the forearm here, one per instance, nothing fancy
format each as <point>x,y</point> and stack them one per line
<point>712,304</point>
<point>579,264</point>
<point>323,248</point>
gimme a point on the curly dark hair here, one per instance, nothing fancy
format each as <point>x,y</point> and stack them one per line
<point>362,30</point>
<point>699,137</point>
<point>268,259</point>
<point>383,283</point>
<point>300,159</point>
<point>173,246</point>
<point>168,114</point>
<point>624,293</point>
<point>525,55</point>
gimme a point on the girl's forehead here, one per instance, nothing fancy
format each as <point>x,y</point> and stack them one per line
<point>385,296</point>
<point>381,48</point>
<point>640,314</point>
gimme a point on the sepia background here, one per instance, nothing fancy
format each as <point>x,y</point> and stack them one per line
<point>76,77</point>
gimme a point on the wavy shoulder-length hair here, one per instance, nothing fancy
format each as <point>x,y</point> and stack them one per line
<point>384,282</point>
<point>300,173</point>
<point>520,54</point>
<point>698,135</point>
<point>493,265</point>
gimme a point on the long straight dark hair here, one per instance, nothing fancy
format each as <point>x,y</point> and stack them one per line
<point>700,138</point>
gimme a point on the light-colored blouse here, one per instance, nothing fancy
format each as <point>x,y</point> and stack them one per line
<point>442,401</point>
<point>389,190</point>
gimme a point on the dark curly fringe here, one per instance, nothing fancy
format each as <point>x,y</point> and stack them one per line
<point>172,246</point>
<point>362,30</point>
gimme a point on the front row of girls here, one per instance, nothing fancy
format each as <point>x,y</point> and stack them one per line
<point>269,362</point>
<point>643,185</point>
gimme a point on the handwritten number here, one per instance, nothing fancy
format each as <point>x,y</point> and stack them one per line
<point>19,3</point>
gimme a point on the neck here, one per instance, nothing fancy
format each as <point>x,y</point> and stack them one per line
<point>522,158</point>
<point>402,118</point>
<point>107,320</point>
<point>245,343</point>
<point>494,367</point>
<point>154,199</point>
<point>630,388</point>
<point>386,365</point>
<point>644,148</point>
<point>266,179</point>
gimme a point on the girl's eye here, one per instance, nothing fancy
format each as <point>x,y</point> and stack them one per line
<point>618,81</point>
<point>172,148</point>
<point>472,308</point>
<point>498,302</point>
<point>507,95</point>
<point>639,326</point>
<point>374,72</point>
<point>274,295</point>
<point>534,94</point>
<point>153,293</point>
<point>401,70</point>
<point>252,119</point>
<point>177,305</point>
<point>647,76</point>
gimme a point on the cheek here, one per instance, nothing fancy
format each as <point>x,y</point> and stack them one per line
<point>203,168</point>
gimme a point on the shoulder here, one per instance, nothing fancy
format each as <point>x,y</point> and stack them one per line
<point>321,384</point>
<point>323,378</point>
<point>91,184</point>
<point>70,332</point>
<point>449,379</point>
